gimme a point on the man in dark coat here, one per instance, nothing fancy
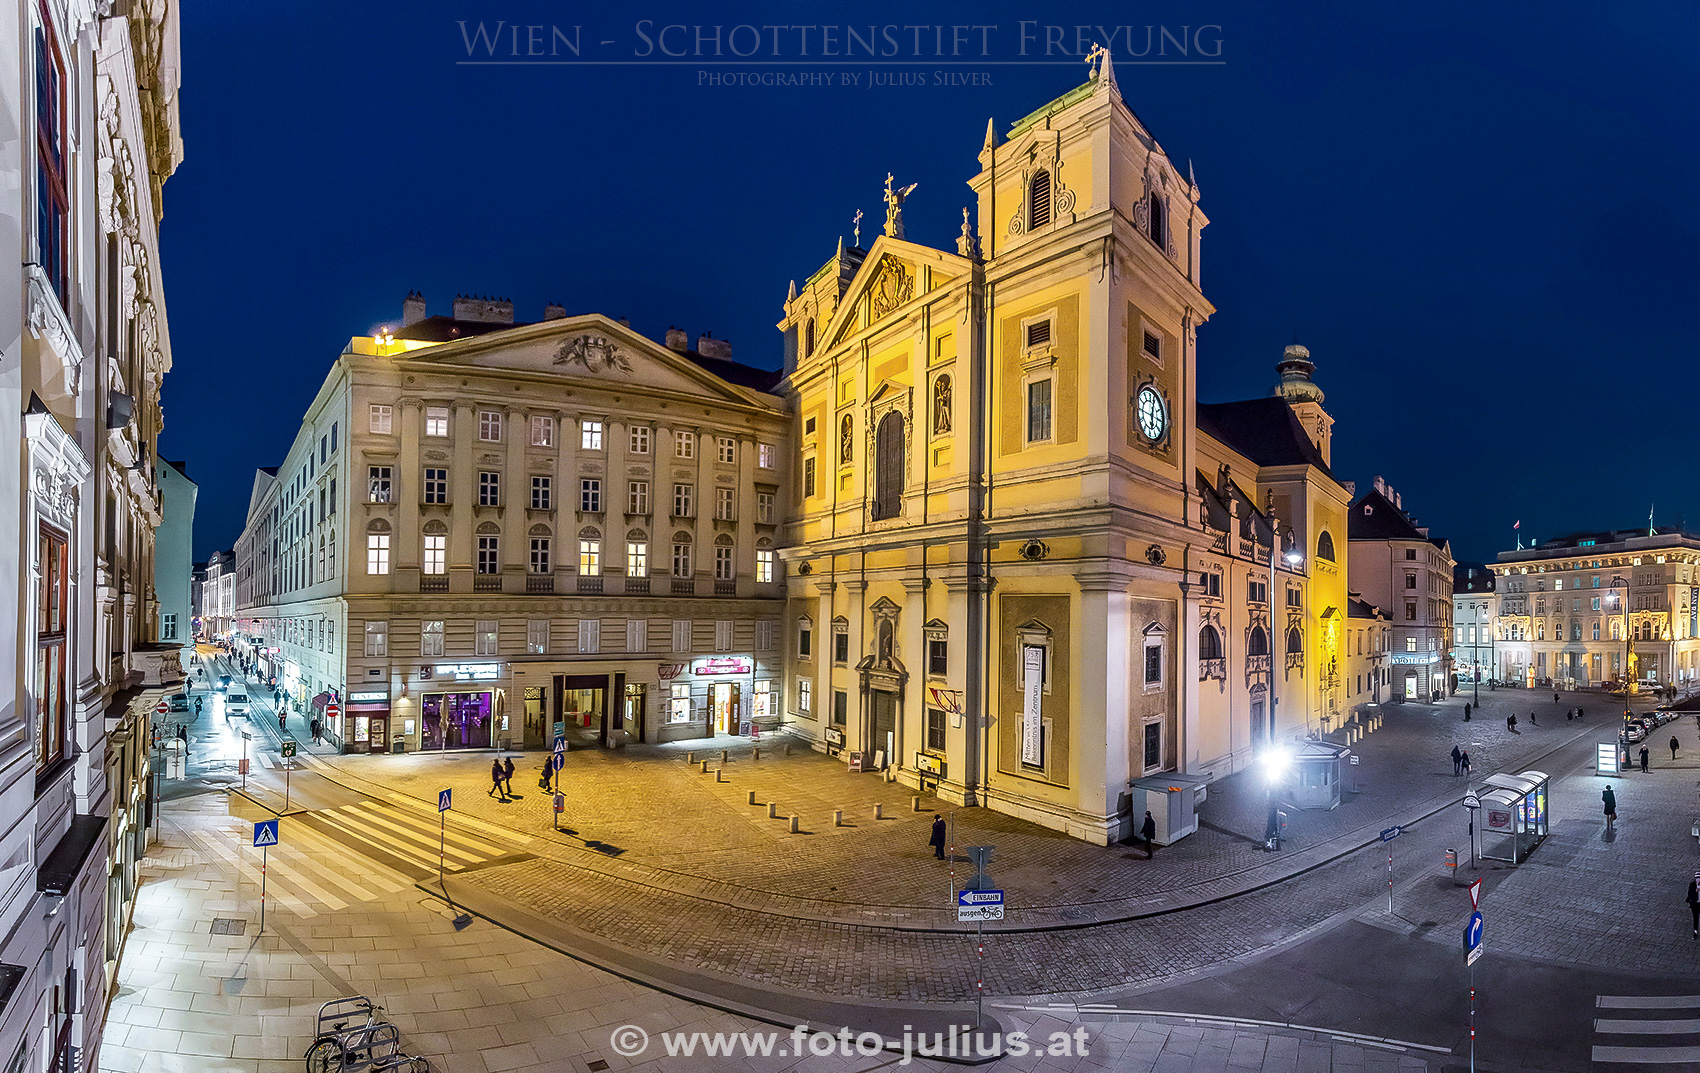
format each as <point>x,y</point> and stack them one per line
<point>938,836</point>
<point>496,780</point>
<point>1643,758</point>
<point>508,776</point>
<point>1673,744</point>
<point>1148,831</point>
<point>1610,800</point>
<point>1694,906</point>
<point>1457,760</point>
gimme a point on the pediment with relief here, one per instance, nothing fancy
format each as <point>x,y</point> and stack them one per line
<point>889,282</point>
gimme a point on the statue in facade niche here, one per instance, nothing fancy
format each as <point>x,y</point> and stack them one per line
<point>941,405</point>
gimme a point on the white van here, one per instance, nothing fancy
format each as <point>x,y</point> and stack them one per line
<point>236,704</point>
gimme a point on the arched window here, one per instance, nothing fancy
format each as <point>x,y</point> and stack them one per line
<point>1209,643</point>
<point>1159,212</point>
<point>1039,200</point>
<point>1325,546</point>
<point>1295,641</point>
<point>1258,643</point>
<point>809,338</point>
<point>888,466</point>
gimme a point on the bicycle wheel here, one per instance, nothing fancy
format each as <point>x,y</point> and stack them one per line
<point>325,1056</point>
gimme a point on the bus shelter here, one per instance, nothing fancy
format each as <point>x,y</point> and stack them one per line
<point>1514,815</point>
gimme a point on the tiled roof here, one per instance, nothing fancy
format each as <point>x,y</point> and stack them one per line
<point>1374,517</point>
<point>1263,430</point>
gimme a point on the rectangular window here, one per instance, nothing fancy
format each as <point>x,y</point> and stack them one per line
<point>377,553</point>
<point>484,638</point>
<point>1410,644</point>
<point>723,564</point>
<point>537,636</point>
<point>682,495</point>
<point>840,644</point>
<point>167,627</point>
<point>590,635</point>
<point>377,638</point>
<point>1038,411</point>
<point>637,497</point>
<point>637,635</point>
<point>1410,581</point>
<point>436,420</point>
<point>431,637</point>
<point>938,656</point>
<point>935,730</point>
<point>1154,663</point>
<point>436,486</point>
<point>590,558</point>
<point>805,640</point>
<point>1410,611</point>
<point>685,444</point>
<point>52,620</point>
<point>640,440</point>
<point>805,695</point>
<point>542,431</point>
<point>539,563</point>
<point>1153,745</point>
<point>808,478</point>
<point>489,489</point>
<point>540,487</point>
<point>724,634</point>
<point>681,560</point>
<point>1257,592</point>
<point>764,566</point>
<point>767,455</point>
<point>436,554</point>
<point>489,555</point>
<point>53,201</point>
<point>679,705</point>
<point>1039,332</point>
<point>766,634</point>
<point>726,449</point>
<point>1410,553</point>
<point>379,488</point>
<point>681,635</point>
<point>1594,604</point>
<point>324,447</point>
<point>590,435</point>
<point>765,508</point>
<point>379,420</point>
<point>840,708</point>
<point>490,426</point>
<point>590,496</point>
<point>332,503</point>
<point>726,504</point>
<point>637,559</point>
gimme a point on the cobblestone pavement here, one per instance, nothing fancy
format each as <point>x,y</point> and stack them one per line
<point>484,1000</point>
<point>678,829</point>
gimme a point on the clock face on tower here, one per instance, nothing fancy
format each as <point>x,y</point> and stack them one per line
<point>1152,414</point>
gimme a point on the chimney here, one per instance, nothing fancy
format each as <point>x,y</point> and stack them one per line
<point>1351,489</point>
<point>710,347</point>
<point>554,311</point>
<point>484,309</point>
<point>625,322</point>
<point>677,340</point>
<point>412,308</point>
<point>1398,501</point>
<point>1380,485</point>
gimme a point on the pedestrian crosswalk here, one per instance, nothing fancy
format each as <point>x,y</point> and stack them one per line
<point>332,858</point>
<point>1637,1031</point>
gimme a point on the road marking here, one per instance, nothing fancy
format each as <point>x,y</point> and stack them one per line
<point>324,850</point>
<point>279,891</point>
<point>401,845</point>
<point>1647,1055</point>
<point>1647,1002</point>
<point>427,836</point>
<point>1667,1027</point>
<point>493,829</point>
<point>417,825</point>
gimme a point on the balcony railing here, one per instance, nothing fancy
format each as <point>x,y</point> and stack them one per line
<point>637,586</point>
<point>486,583</point>
<point>1257,664</point>
<point>684,586</point>
<point>1212,668</point>
<point>725,588</point>
<point>433,583</point>
<point>538,584</point>
<point>590,584</point>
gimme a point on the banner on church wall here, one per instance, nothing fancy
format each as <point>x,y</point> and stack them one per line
<point>1032,707</point>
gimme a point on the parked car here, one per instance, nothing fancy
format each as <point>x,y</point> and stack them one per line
<point>236,704</point>
<point>179,702</point>
<point>1633,732</point>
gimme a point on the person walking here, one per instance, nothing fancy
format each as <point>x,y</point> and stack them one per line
<point>283,721</point>
<point>1457,760</point>
<point>1555,698</point>
<point>936,839</point>
<point>1694,905</point>
<point>1466,711</point>
<point>318,729</point>
<point>1673,744</point>
<point>508,776</point>
<point>1533,721</point>
<point>1148,831</point>
<point>548,769</point>
<point>496,779</point>
<point>1464,762</point>
<point>183,736</point>
<point>1643,758</point>
<point>1610,800</point>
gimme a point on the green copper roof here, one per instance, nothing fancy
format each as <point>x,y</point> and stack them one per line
<point>1079,92</point>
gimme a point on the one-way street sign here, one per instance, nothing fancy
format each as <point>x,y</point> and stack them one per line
<point>979,905</point>
<point>1391,833</point>
<point>1473,939</point>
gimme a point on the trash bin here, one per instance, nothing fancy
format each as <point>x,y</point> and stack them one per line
<point>398,745</point>
<point>1452,864</point>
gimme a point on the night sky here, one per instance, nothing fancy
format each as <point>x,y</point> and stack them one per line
<point>1480,218</point>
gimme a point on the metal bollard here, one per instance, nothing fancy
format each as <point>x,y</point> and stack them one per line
<point>755,753</point>
<point>879,812</point>
<point>752,797</point>
<point>914,804</point>
<point>773,810</point>
<point>787,748</point>
<point>838,817</point>
<point>690,758</point>
<point>702,766</point>
<point>719,775</point>
<point>793,825</point>
<point>723,756</point>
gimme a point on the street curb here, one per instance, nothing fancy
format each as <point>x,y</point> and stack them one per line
<point>769,1005</point>
<point>1090,1012</point>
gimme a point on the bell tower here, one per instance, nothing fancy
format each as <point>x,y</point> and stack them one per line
<point>1299,389</point>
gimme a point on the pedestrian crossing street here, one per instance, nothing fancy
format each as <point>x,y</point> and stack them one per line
<point>332,858</point>
<point>1646,1030</point>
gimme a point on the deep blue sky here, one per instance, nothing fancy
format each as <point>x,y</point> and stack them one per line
<point>1483,225</point>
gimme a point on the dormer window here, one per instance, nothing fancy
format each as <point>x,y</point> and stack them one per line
<point>1039,200</point>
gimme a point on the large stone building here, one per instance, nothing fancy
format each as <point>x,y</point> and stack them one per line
<point>1574,611</point>
<point>1473,607</point>
<point>173,571</point>
<point>492,533</point>
<point>89,100</point>
<point>1027,566</point>
<point>1406,572</point>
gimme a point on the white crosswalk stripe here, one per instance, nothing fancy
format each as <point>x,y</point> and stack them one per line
<point>1647,1030</point>
<point>412,836</point>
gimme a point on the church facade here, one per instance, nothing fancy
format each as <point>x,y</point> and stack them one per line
<point>1025,566</point>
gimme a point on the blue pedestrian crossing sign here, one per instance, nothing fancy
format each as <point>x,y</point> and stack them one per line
<point>1473,939</point>
<point>444,798</point>
<point>560,744</point>
<point>265,834</point>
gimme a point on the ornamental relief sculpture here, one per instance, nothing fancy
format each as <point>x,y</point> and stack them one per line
<point>893,286</point>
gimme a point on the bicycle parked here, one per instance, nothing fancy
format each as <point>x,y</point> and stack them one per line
<point>374,1045</point>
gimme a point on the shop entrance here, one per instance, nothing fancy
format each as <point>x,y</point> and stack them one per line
<point>455,721</point>
<point>1411,687</point>
<point>581,703</point>
<point>536,716</point>
<point>380,738</point>
<point>633,716</point>
<point>723,707</point>
<point>884,720</point>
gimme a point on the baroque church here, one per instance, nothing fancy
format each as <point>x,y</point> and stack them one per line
<point>1026,566</point>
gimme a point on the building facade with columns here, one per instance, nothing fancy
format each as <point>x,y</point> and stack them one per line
<point>1026,566</point>
<point>1575,611</point>
<point>490,533</point>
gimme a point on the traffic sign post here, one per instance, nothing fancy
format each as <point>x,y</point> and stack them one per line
<point>288,755</point>
<point>445,799</point>
<point>265,837</point>
<point>1388,836</point>
<point>1472,802</point>
<point>1472,951</point>
<point>558,759</point>
<point>560,807</point>
<point>979,901</point>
